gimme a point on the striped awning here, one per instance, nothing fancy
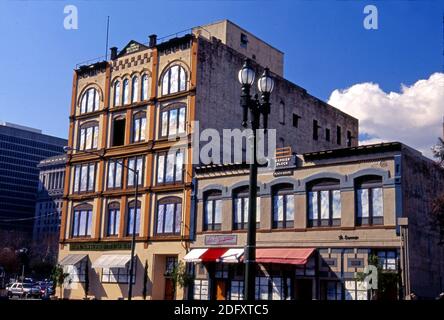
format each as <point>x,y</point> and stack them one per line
<point>72,259</point>
<point>112,261</point>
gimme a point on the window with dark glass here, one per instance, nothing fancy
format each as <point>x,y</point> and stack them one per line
<point>82,221</point>
<point>84,177</point>
<point>296,120</point>
<point>349,139</point>
<point>283,206</point>
<point>90,101</point>
<point>212,210</point>
<point>172,120</point>
<point>273,288</point>
<point>315,129</point>
<point>174,80</point>
<point>240,209</point>
<point>169,216</point>
<point>139,127</point>
<point>118,137</point>
<point>170,264</point>
<point>387,259</point>
<point>324,203</point>
<point>327,134</point>
<point>170,167</point>
<point>369,201</point>
<point>133,216</point>
<point>282,112</point>
<point>113,219</point>
<point>338,135</point>
<point>135,163</point>
<point>243,40</point>
<point>115,173</point>
<point>89,136</point>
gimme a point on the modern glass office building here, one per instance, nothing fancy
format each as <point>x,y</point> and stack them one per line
<point>21,149</point>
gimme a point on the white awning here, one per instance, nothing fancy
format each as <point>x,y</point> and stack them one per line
<point>72,259</point>
<point>232,255</point>
<point>112,261</point>
<point>194,255</point>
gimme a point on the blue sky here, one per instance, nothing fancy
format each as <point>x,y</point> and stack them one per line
<point>325,44</point>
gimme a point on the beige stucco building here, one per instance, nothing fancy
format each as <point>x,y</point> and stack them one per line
<point>133,109</point>
<point>323,217</point>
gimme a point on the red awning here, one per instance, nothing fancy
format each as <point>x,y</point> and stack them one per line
<point>212,254</point>
<point>296,256</point>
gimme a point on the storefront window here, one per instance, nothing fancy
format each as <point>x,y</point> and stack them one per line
<point>76,273</point>
<point>237,290</point>
<point>273,288</point>
<point>387,259</point>
<point>117,275</point>
<point>331,290</point>
<point>355,290</point>
<point>200,290</point>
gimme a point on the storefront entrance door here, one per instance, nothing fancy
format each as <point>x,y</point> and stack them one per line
<point>303,289</point>
<point>221,290</point>
<point>169,289</point>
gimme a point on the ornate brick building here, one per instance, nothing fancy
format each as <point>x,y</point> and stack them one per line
<point>134,108</point>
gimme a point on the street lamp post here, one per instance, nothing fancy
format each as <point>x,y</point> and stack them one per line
<point>136,192</point>
<point>257,108</point>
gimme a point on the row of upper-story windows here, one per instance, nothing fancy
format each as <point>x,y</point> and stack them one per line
<point>135,89</point>
<point>167,218</point>
<point>172,122</point>
<point>169,170</point>
<point>323,205</point>
<point>132,90</point>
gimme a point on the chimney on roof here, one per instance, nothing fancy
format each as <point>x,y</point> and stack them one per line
<point>153,40</point>
<point>113,53</point>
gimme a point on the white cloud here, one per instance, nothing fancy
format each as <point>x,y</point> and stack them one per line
<point>412,116</point>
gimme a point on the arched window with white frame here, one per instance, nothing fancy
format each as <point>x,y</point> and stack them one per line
<point>125,91</point>
<point>135,89</point>
<point>144,87</point>
<point>90,101</point>
<point>174,80</point>
<point>116,93</point>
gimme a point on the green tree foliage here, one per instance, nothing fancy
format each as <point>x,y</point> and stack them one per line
<point>59,276</point>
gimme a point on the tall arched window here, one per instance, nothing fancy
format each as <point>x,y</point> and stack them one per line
<point>139,127</point>
<point>135,89</point>
<point>133,216</point>
<point>174,80</point>
<point>369,200</point>
<point>82,221</point>
<point>90,101</point>
<point>89,135</point>
<point>283,206</point>
<point>116,93</point>
<point>212,210</point>
<point>113,219</point>
<point>324,203</point>
<point>169,216</point>
<point>240,208</point>
<point>125,91</point>
<point>144,87</point>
